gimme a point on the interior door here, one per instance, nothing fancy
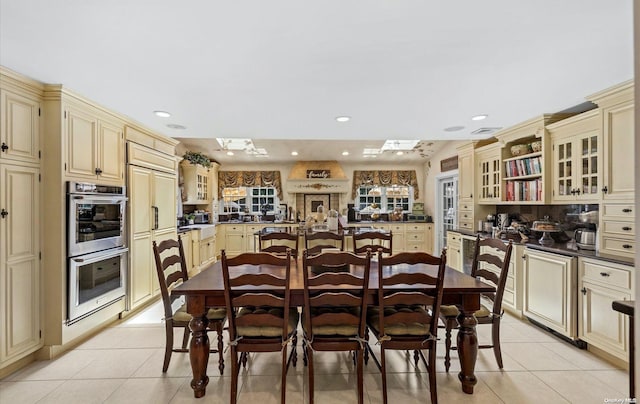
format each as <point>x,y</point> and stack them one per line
<point>446,207</point>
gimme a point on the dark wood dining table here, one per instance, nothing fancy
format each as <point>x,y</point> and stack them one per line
<point>206,289</point>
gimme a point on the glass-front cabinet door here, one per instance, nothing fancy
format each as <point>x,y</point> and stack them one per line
<point>577,158</point>
<point>589,173</point>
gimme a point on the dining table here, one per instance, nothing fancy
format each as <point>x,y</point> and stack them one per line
<point>206,289</point>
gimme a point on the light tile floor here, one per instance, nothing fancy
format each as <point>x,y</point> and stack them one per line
<point>123,364</point>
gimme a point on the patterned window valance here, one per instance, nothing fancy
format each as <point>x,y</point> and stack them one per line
<point>385,178</point>
<point>233,179</point>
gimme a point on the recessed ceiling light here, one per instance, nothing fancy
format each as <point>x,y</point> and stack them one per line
<point>479,117</point>
<point>229,153</point>
<point>343,118</point>
<point>176,126</point>
<point>345,153</point>
<point>162,114</point>
<point>399,153</point>
<point>453,128</point>
<point>294,153</point>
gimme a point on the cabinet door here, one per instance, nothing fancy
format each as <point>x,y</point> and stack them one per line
<point>164,200</point>
<point>81,137</point>
<point>589,167</point>
<point>550,291</point>
<point>234,243</point>
<point>20,127</point>
<point>563,168</point>
<point>110,152</point>
<point>489,180</point>
<point>19,262</point>
<point>428,239</point>
<point>186,246</point>
<point>142,269</point>
<point>600,326</point>
<point>465,181</point>
<point>140,200</point>
<point>619,159</point>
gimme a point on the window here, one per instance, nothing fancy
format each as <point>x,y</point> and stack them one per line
<point>251,199</point>
<point>387,198</point>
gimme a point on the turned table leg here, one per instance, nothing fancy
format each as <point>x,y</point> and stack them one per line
<point>199,347</point>
<point>467,348</point>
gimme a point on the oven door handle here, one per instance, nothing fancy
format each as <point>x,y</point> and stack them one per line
<point>100,255</point>
<point>155,217</point>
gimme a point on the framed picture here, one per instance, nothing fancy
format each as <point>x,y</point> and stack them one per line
<point>312,201</point>
<point>283,210</point>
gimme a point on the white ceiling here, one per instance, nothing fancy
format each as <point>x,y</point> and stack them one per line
<point>284,69</point>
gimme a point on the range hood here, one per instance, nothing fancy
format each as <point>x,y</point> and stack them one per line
<point>317,177</point>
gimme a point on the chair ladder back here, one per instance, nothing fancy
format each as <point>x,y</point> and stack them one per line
<point>318,294</point>
<point>372,240</point>
<point>283,240</point>
<point>315,242</point>
<point>179,272</point>
<point>488,258</point>
<point>237,295</point>
<point>429,296</point>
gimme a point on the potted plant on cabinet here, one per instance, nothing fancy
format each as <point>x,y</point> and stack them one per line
<point>197,158</point>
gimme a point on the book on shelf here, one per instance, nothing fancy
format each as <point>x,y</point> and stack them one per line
<point>522,167</point>
<point>528,190</point>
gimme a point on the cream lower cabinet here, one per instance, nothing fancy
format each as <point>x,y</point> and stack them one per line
<point>20,276</point>
<point>454,256</point>
<point>550,285</point>
<point>152,207</point>
<point>601,283</point>
<point>512,297</point>
<point>428,239</point>
<point>188,255</point>
<point>415,238</point>
<point>234,243</point>
<point>207,250</point>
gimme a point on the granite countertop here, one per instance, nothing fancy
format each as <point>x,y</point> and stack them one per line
<point>557,248</point>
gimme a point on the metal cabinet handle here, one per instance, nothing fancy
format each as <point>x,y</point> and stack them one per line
<point>4,147</point>
<point>155,217</point>
<point>98,171</point>
<point>605,274</point>
<point>583,290</point>
<point>626,228</point>
<point>627,210</point>
<point>578,191</point>
<point>4,213</point>
<point>627,246</point>
<point>605,189</point>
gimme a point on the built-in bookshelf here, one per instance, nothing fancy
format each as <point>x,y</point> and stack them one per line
<point>523,178</point>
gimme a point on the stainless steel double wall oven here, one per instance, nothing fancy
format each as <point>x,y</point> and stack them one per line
<point>96,247</point>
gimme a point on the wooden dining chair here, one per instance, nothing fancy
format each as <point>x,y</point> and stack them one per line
<point>490,261</point>
<point>315,242</point>
<point>278,242</point>
<point>172,270</point>
<point>372,240</point>
<point>335,309</point>
<point>260,320</point>
<point>408,320</point>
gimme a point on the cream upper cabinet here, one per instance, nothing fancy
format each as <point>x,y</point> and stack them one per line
<point>198,185</point>
<point>488,173</point>
<point>616,106</point>
<point>20,126</point>
<point>465,174</point>
<point>20,278</point>
<point>577,158</point>
<point>95,146</point>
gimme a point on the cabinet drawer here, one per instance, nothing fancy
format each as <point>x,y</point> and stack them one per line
<point>415,228</point>
<point>410,237</point>
<point>465,206</point>
<point>619,245</point>
<point>234,229</point>
<point>465,224</point>
<point>252,229</point>
<point>607,274</point>
<point>453,238</point>
<point>618,211</point>
<point>465,215</point>
<point>397,228</point>
<point>415,247</point>
<point>619,227</point>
